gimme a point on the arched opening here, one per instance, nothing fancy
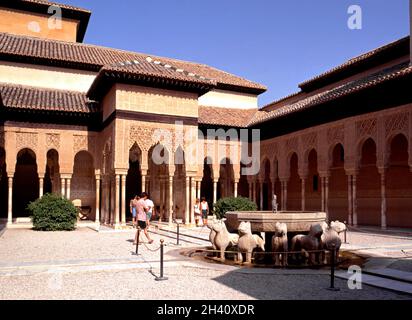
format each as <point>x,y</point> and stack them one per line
<point>52,177</point>
<point>278,186</point>
<point>83,187</point>
<point>243,187</point>
<point>3,184</point>
<point>159,180</point>
<point>25,183</point>
<point>134,177</point>
<point>313,186</point>
<point>294,185</point>
<point>179,185</point>
<point>206,188</point>
<point>338,188</point>
<point>226,179</point>
<point>399,185</point>
<point>368,186</point>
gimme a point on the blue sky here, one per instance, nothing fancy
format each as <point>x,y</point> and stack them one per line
<point>276,43</point>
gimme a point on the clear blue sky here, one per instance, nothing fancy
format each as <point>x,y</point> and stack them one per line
<point>276,43</point>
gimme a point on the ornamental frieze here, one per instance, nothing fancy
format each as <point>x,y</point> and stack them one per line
<point>53,140</point>
<point>366,128</point>
<point>336,135</point>
<point>397,123</point>
<point>27,140</point>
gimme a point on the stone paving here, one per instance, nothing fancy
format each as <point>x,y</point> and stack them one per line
<point>86,264</point>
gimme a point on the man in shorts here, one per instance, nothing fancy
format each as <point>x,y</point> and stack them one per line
<point>150,210</point>
<point>141,210</point>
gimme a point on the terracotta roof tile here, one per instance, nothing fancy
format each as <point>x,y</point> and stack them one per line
<point>36,50</point>
<point>334,93</point>
<point>230,117</point>
<point>24,97</point>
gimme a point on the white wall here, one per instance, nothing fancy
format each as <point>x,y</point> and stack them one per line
<point>229,99</point>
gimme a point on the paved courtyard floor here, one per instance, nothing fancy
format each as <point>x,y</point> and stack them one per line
<point>86,264</point>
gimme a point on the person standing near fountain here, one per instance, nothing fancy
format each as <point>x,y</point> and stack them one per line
<point>275,204</point>
<point>205,210</point>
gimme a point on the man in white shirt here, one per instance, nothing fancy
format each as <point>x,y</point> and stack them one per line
<point>150,210</point>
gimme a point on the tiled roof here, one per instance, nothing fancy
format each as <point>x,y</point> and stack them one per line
<point>41,7</point>
<point>24,97</point>
<point>229,117</point>
<point>335,93</point>
<point>78,55</point>
<point>383,50</point>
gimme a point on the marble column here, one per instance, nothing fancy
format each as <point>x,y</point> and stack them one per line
<point>236,188</point>
<point>254,191</point>
<point>303,196</point>
<point>97,216</point>
<point>355,202</point>
<point>116,201</point>
<point>285,196</point>
<point>273,192</point>
<point>41,181</point>
<point>63,187</point>
<point>143,182</point>
<point>327,196</point>
<point>123,192</point>
<point>250,190</point>
<point>187,201</point>
<point>383,199</point>
<point>261,195</point>
<point>171,209</point>
<point>322,187</point>
<point>193,200</point>
<point>68,188</point>
<point>198,188</point>
<point>10,204</point>
<point>215,191</point>
<point>350,203</point>
<point>161,197</point>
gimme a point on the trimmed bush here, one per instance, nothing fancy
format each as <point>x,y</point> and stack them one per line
<point>233,204</point>
<point>53,213</point>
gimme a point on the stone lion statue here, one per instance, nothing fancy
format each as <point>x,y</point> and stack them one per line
<point>222,238</point>
<point>338,226</point>
<point>248,242</point>
<point>330,239</point>
<point>280,244</point>
<point>308,243</point>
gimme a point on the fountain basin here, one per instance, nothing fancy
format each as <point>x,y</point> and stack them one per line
<point>265,221</point>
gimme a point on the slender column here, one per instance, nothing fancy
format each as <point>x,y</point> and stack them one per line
<point>123,189</point>
<point>383,199</point>
<point>254,191</point>
<point>63,186</point>
<point>355,202</point>
<point>68,187</point>
<point>161,196</point>
<point>193,200</point>
<point>322,186</point>
<point>350,203</point>
<point>261,195</point>
<point>97,216</point>
<point>250,190</point>
<point>10,204</point>
<point>327,196</point>
<point>285,195</point>
<point>143,183</point>
<point>116,201</point>
<point>215,191</point>
<point>198,188</point>
<point>236,188</point>
<point>187,211</point>
<point>303,203</point>
<point>41,180</point>
<point>170,199</point>
<point>273,192</point>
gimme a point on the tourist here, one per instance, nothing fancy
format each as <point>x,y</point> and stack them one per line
<point>205,210</point>
<point>141,210</point>
<point>150,210</point>
<point>198,217</point>
<point>133,203</point>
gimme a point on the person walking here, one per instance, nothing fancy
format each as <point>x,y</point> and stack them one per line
<point>205,210</point>
<point>141,210</point>
<point>198,216</point>
<point>133,203</point>
<point>150,210</point>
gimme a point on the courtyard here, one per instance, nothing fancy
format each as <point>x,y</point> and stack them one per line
<point>89,265</point>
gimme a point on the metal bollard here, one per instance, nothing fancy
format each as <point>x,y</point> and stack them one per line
<point>161,278</point>
<point>332,269</point>
<point>346,228</point>
<point>137,242</point>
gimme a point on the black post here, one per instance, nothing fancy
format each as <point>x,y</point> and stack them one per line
<point>137,242</point>
<point>332,269</point>
<point>161,278</point>
<point>178,233</point>
<point>346,228</point>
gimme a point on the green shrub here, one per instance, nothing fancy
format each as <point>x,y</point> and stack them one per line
<point>233,204</point>
<point>53,213</point>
